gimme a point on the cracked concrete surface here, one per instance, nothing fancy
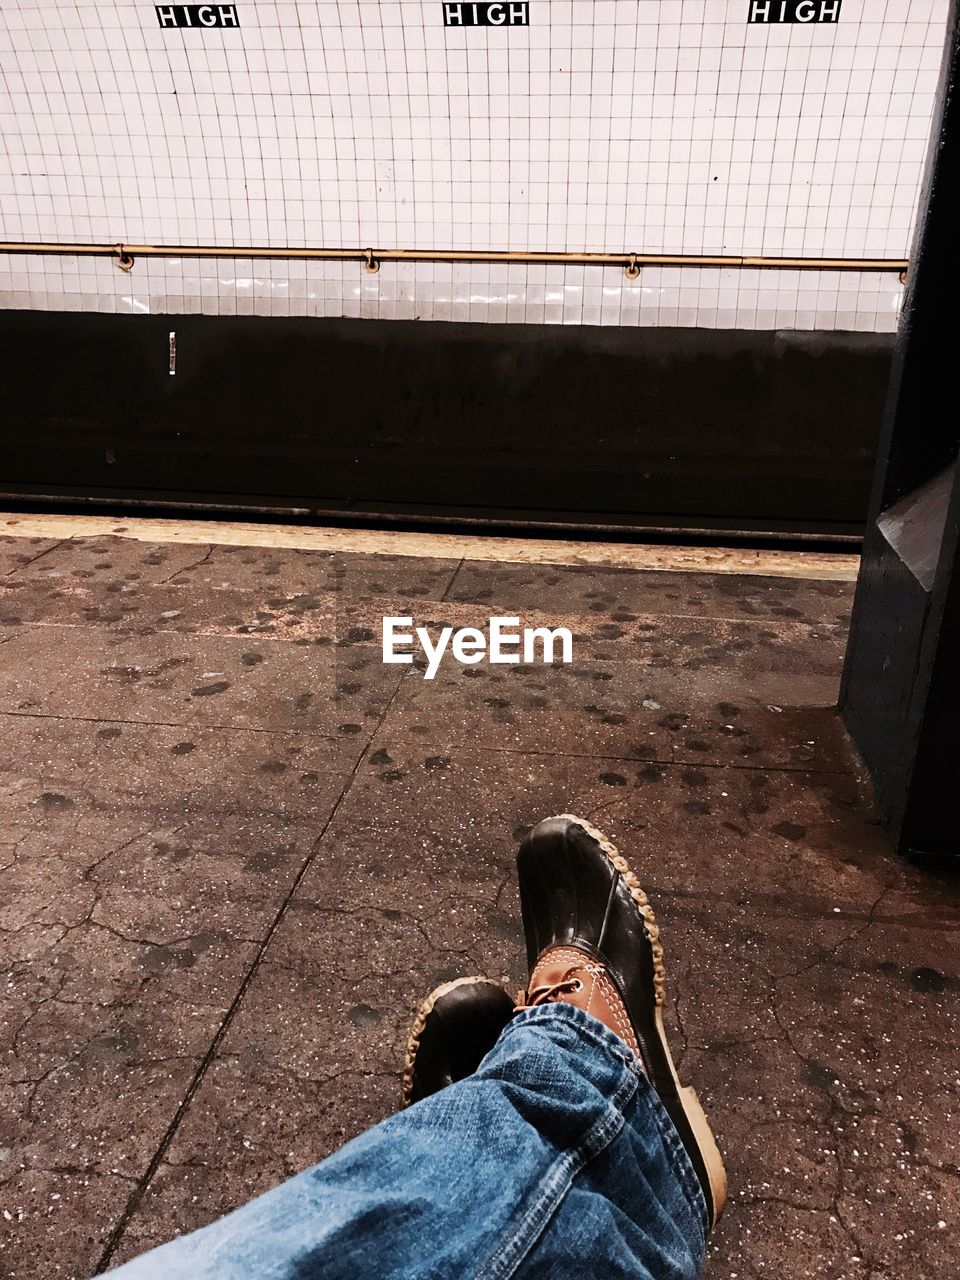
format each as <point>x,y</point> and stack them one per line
<point>210,786</point>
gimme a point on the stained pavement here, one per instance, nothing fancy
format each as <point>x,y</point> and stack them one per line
<point>236,850</point>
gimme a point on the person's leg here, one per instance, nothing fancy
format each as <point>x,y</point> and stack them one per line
<point>555,1159</point>
<point>573,1151</point>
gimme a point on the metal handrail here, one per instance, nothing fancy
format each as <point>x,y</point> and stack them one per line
<point>632,263</point>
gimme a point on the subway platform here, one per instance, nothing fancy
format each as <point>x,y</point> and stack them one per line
<point>240,849</point>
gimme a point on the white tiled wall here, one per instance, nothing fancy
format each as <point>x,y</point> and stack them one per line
<point>622,125</point>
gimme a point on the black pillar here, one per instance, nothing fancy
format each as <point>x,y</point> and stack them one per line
<point>900,696</point>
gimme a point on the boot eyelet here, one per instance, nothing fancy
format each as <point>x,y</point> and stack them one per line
<point>579,986</point>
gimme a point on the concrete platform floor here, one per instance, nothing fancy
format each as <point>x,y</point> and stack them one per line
<point>237,850</point>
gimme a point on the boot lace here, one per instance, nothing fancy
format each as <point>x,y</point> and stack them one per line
<point>548,992</point>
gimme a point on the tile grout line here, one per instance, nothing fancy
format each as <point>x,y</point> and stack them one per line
<point>136,1196</point>
<point>453,577</point>
<point>636,761</point>
<point>39,556</point>
<point>198,726</point>
<point>128,630</point>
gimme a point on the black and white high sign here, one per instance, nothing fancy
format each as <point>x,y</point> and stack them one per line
<point>794,11</point>
<point>480,13</point>
<point>197,15</point>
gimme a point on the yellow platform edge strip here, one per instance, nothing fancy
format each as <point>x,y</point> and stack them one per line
<point>786,563</point>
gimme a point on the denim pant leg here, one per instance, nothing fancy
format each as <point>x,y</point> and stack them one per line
<point>555,1160</point>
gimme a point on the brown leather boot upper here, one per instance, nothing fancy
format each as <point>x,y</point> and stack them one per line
<point>575,977</point>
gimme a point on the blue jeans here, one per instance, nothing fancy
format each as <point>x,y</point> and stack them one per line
<point>554,1160</point>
